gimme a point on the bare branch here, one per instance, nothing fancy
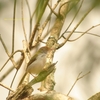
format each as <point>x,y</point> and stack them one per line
<point>72,19</point>
<point>40,30</point>
<point>23,21</point>
<point>78,77</point>
<point>8,52</point>
<point>52,10</point>
<point>13,31</point>
<point>3,76</point>
<point>30,30</point>
<point>84,33</point>
<point>6,87</point>
<point>13,80</point>
<point>76,26</point>
<point>19,63</point>
<point>10,58</point>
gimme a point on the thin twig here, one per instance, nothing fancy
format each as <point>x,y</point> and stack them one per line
<point>7,52</point>
<point>26,53</point>
<point>52,10</point>
<point>29,10</point>
<point>5,48</point>
<point>49,19</point>
<point>72,19</point>
<point>46,21</point>
<point>76,26</point>
<point>84,33</point>
<point>6,73</point>
<point>78,77</point>
<point>19,62</point>
<point>43,26</point>
<point>13,80</point>
<point>6,87</point>
<point>32,36</point>
<point>31,19</point>
<point>23,21</point>
<point>41,8</point>
<point>13,31</point>
<point>10,58</point>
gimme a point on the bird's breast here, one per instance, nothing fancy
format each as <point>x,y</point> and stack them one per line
<point>37,66</point>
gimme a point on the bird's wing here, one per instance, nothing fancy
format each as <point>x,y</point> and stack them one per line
<point>32,59</point>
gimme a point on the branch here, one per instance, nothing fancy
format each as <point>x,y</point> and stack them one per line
<point>72,19</point>
<point>40,8</point>
<point>8,52</point>
<point>76,26</point>
<point>23,21</point>
<point>10,58</point>
<point>24,90</point>
<point>13,31</point>
<point>30,30</point>
<point>95,97</point>
<point>84,33</point>
<point>78,77</point>
<point>6,87</point>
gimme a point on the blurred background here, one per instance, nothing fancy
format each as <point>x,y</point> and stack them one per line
<point>82,55</point>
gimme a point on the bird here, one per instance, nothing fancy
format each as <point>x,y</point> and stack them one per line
<point>38,61</point>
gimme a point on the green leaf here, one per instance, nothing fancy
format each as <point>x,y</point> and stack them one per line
<point>40,8</point>
<point>42,75</point>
